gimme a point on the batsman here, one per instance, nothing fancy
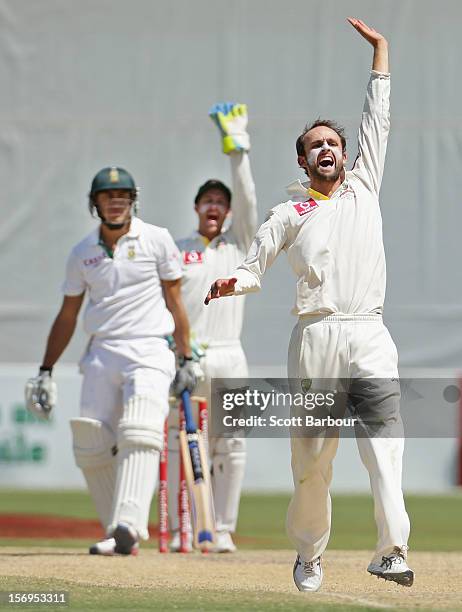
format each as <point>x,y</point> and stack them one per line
<point>131,274</point>
<point>226,225</point>
<point>331,230</point>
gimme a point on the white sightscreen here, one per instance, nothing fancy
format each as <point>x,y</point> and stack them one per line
<point>91,83</point>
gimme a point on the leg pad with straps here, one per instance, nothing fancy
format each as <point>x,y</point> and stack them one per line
<point>94,450</point>
<point>228,466</point>
<point>139,439</point>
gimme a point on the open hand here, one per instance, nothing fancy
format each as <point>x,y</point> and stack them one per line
<point>221,287</point>
<point>231,120</point>
<point>372,36</point>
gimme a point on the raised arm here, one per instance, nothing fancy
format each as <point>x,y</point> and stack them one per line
<point>232,120</point>
<point>375,123</point>
<point>377,40</point>
<point>266,246</point>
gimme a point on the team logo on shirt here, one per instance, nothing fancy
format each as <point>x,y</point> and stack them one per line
<point>131,252</point>
<point>303,208</point>
<point>192,257</point>
<point>94,261</point>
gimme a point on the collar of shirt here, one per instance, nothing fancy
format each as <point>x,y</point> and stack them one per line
<point>205,241</point>
<point>316,195</point>
<point>297,189</point>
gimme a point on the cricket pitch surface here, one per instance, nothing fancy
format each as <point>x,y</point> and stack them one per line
<point>437,585</point>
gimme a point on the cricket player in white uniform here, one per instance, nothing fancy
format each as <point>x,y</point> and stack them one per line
<point>206,253</point>
<point>331,231</point>
<point>131,272</point>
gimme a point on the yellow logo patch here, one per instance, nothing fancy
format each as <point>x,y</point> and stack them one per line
<point>114,175</point>
<point>131,252</point>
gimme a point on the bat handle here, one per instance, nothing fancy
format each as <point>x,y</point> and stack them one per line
<point>190,425</point>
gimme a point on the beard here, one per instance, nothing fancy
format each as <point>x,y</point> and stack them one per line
<point>313,173</point>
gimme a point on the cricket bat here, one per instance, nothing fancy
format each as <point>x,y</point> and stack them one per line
<point>197,475</point>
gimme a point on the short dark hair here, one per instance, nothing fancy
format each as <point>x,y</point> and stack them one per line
<point>338,129</point>
<point>213,184</point>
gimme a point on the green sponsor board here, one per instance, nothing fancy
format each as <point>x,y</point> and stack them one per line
<point>15,447</point>
<point>21,416</point>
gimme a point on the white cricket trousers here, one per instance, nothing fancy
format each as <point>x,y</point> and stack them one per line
<point>116,370</point>
<point>344,347</point>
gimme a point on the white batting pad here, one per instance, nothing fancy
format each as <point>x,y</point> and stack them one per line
<point>142,424</point>
<point>228,463</point>
<point>140,438</point>
<point>94,451</point>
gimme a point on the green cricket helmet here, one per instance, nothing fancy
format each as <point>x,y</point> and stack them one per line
<point>112,178</point>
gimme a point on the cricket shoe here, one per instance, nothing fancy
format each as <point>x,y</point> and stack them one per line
<point>308,574</point>
<point>224,543</point>
<point>126,538</point>
<point>393,567</point>
<point>107,548</point>
<point>175,543</point>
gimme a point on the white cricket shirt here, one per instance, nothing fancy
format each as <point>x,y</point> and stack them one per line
<point>335,245</point>
<point>203,261</point>
<point>125,292</point>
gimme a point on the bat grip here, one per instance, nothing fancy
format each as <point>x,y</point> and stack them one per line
<point>190,425</point>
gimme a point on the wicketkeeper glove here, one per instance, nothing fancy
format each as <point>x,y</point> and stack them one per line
<point>185,377</point>
<point>41,394</point>
<point>232,120</point>
<point>197,348</point>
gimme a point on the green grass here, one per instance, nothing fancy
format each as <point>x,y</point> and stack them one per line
<point>102,598</point>
<point>436,526</point>
<point>435,520</point>
<point>59,503</point>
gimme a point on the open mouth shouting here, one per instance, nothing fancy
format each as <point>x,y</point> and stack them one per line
<point>213,220</point>
<point>326,160</point>
<point>212,214</point>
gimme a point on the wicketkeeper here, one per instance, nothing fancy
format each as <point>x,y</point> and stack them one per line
<point>131,274</point>
<point>227,223</point>
<point>331,230</point>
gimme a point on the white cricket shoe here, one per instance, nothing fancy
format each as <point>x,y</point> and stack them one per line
<point>107,548</point>
<point>126,539</point>
<point>393,567</point>
<point>308,574</point>
<point>224,543</point>
<point>175,543</point>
